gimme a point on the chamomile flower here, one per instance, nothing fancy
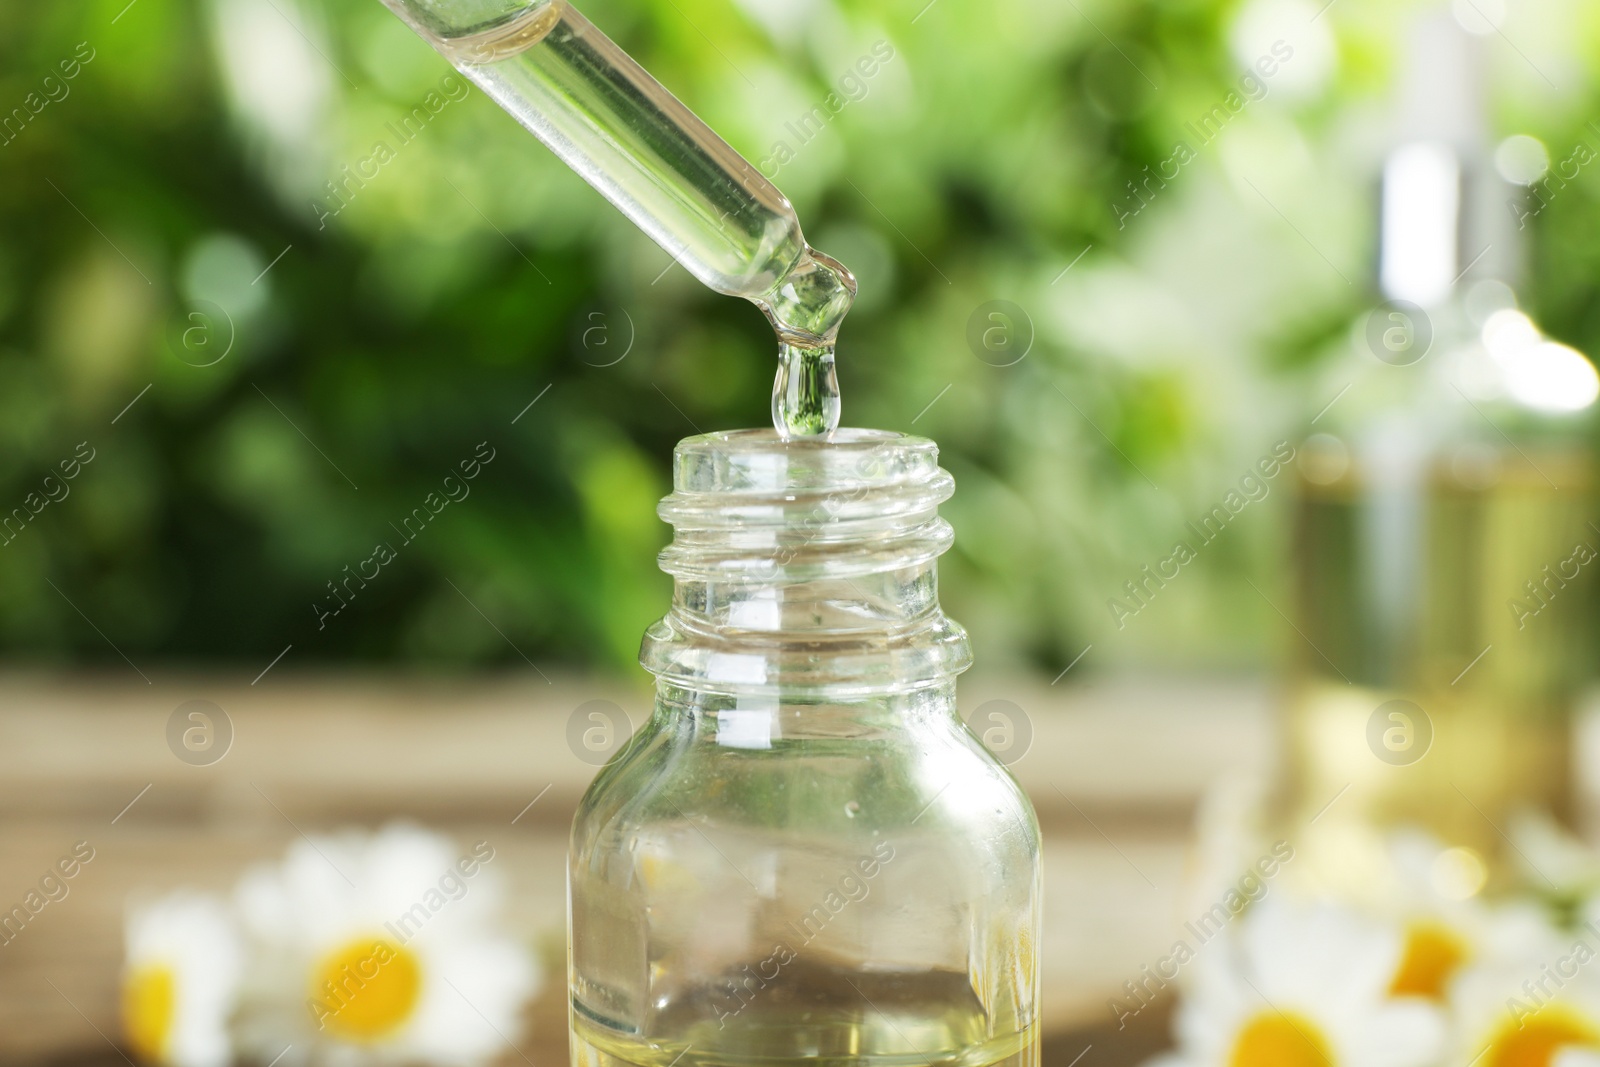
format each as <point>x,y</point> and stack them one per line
<point>1302,986</point>
<point>179,981</point>
<point>1430,891</point>
<point>1532,1002</point>
<point>379,950</point>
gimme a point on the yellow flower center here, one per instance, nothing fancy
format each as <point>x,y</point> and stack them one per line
<point>1281,1039</point>
<point>365,989</point>
<point>149,1000</point>
<point>1535,1041</point>
<point>1433,956</point>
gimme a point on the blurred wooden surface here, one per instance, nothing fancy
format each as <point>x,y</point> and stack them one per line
<point>1114,769</point>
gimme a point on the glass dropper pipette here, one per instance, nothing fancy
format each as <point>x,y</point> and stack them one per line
<point>647,153</point>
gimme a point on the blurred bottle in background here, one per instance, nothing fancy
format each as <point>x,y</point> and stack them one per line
<point>1444,532</point>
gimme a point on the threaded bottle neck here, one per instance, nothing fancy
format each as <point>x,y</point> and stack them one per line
<point>806,564</point>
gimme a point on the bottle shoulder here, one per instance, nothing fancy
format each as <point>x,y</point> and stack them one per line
<point>930,780</point>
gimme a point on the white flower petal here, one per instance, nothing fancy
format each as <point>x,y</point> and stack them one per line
<point>1171,1059</point>
<point>471,1006</point>
<point>1398,1035</point>
<point>192,936</point>
<point>1319,955</point>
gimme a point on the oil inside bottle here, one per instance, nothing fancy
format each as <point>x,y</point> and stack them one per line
<point>822,1014</point>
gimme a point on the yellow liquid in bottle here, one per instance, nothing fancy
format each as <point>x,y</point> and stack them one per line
<point>818,1014</point>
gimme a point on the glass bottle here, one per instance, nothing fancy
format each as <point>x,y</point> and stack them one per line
<point>1445,609</point>
<point>1443,524</point>
<point>804,854</point>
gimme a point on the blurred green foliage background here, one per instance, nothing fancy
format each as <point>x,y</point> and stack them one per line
<point>160,210</point>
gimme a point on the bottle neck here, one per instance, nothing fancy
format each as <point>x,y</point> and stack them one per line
<point>806,568</point>
<point>754,719</point>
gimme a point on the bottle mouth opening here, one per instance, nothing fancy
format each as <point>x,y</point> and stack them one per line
<point>760,462</point>
<point>759,492</point>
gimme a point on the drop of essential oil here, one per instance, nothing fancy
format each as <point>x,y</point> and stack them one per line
<point>805,394</point>
<point>806,308</point>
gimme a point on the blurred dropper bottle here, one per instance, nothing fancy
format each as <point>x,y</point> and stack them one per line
<point>663,168</point>
<point>1440,496</point>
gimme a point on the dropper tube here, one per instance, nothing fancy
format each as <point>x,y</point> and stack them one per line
<point>647,153</point>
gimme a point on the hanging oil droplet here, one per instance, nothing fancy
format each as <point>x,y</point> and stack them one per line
<point>805,394</point>
<point>806,307</point>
